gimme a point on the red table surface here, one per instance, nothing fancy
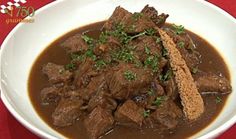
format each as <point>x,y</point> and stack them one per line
<point>10,128</point>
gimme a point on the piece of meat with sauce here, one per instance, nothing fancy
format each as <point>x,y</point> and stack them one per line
<point>84,73</point>
<point>167,114</point>
<point>67,111</point>
<point>133,23</point>
<point>123,88</point>
<point>93,86</point>
<point>50,94</point>
<point>145,46</point>
<point>212,83</point>
<point>56,73</point>
<point>75,44</point>
<point>109,45</point>
<point>147,96</point>
<point>171,89</point>
<point>152,13</point>
<point>136,23</point>
<point>117,16</point>
<point>98,122</point>
<point>129,114</point>
<point>103,99</point>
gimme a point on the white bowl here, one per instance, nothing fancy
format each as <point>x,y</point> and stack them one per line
<point>26,41</point>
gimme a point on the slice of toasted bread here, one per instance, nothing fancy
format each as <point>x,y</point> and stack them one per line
<point>193,105</point>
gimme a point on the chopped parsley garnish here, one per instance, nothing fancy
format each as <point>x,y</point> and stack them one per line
<point>136,16</point>
<point>168,75</point>
<point>152,61</point>
<point>159,100</point>
<point>87,39</point>
<point>218,100</point>
<point>76,56</point>
<point>150,31</point>
<point>181,44</point>
<point>158,40</point>
<point>147,50</point>
<point>129,75</point>
<point>90,54</point>
<point>100,64</point>
<point>178,29</point>
<point>132,28</point>
<point>146,113</point>
<point>70,66</point>
<point>164,52</point>
<point>194,70</point>
<point>124,37</point>
<point>138,35</point>
<point>103,37</point>
<point>150,92</point>
<point>124,54</point>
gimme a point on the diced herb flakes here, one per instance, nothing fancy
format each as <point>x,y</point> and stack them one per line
<point>158,40</point>
<point>218,100</point>
<point>90,54</point>
<point>152,61</point>
<point>178,29</point>
<point>150,31</point>
<point>100,64</point>
<point>147,50</point>
<point>181,44</point>
<point>103,37</point>
<point>146,113</point>
<point>136,16</point>
<point>150,92</point>
<point>159,100</point>
<point>164,52</point>
<point>70,66</point>
<point>168,75</point>
<point>87,39</point>
<point>194,70</point>
<point>129,75</point>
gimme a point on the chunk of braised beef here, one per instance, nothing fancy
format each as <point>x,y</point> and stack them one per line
<point>93,86</point>
<point>208,82</point>
<point>75,44</point>
<point>136,23</point>
<point>146,46</point>
<point>98,122</point>
<point>110,44</point>
<point>171,89</point>
<point>129,114</point>
<point>123,86</point>
<point>167,114</point>
<point>141,100</point>
<point>67,111</point>
<point>56,73</point>
<point>102,98</point>
<point>152,13</point>
<point>84,73</point>
<point>50,94</point>
<point>117,16</point>
<point>147,97</point>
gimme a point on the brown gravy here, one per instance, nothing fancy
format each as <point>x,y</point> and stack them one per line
<point>212,62</point>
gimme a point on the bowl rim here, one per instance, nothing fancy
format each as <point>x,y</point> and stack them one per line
<point>41,133</point>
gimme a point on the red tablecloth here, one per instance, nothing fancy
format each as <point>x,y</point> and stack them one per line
<point>11,129</point>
